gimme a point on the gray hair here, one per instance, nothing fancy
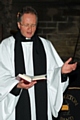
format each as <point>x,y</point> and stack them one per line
<point>26,10</point>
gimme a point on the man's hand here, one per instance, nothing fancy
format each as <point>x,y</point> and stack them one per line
<point>67,68</point>
<point>22,85</point>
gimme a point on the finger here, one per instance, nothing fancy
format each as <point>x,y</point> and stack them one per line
<point>29,86</point>
<point>31,83</point>
<point>68,61</point>
<point>35,81</point>
<point>75,63</point>
<point>74,66</point>
<point>21,81</point>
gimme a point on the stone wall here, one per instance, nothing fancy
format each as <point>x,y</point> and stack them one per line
<point>58,21</point>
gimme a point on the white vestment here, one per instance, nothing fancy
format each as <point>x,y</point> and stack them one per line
<point>8,80</point>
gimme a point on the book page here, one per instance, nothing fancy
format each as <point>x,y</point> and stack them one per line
<point>31,78</point>
<point>39,77</point>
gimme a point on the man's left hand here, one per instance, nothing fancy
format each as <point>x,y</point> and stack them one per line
<point>67,67</point>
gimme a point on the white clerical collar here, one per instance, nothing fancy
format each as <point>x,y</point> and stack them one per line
<point>28,38</point>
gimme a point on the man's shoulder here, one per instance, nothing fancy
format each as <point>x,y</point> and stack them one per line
<point>8,40</point>
<point>7,43</point>
<point>44,40</point>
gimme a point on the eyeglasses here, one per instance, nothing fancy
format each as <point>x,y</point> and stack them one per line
<point>28,25</point>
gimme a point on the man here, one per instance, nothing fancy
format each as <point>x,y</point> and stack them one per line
<point>29,54</point>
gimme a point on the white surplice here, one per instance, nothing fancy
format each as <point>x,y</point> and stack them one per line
<point>8,80</point>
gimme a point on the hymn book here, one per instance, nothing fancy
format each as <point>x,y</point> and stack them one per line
<point>28,79</point>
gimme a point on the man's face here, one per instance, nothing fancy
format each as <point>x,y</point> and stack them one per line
<point>28,25</point>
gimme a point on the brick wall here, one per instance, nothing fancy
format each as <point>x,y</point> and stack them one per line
<point>58,22</point>
<point>62,28</point>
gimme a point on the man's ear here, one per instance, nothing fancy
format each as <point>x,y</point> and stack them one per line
<point>18,23</point>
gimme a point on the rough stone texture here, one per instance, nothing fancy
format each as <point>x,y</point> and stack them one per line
<point>59,22</point>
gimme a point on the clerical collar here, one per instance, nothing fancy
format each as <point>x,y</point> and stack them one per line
<point>21,38</point>
<point>28,38</point>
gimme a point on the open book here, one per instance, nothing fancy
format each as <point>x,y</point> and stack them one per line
<point>28,78</point>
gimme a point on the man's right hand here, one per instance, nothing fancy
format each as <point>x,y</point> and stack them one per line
<point>22,85</point>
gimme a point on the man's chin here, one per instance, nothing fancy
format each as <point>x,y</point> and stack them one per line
<point>28,36</point>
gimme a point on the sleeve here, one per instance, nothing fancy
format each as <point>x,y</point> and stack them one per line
<point>56,82</point>
<point>7,82</point>
<point>56,89</point>
<point>64,77</point>
<point>15,91</point>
